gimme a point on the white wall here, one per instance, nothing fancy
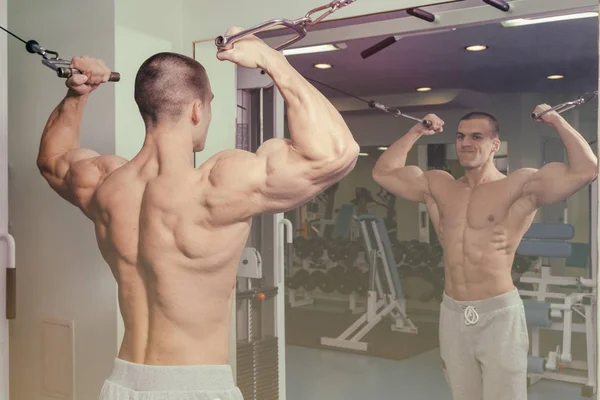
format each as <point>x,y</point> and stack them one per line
<point>143,28</point>
<point>61,273</point>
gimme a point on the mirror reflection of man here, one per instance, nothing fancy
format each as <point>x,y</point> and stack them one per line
<point>480,219</point>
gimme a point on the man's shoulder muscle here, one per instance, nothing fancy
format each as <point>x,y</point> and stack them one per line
<point>439,181</point>
<point>228,182</point>
<point>517,179</point>
<point>227,164</point>
<point>97,167</point>
<point>87,175</point>
<point>521,174</point>
<point>525,171</point>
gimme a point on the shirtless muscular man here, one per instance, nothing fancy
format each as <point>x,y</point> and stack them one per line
<point>172,234</point>
<point>480,219</point>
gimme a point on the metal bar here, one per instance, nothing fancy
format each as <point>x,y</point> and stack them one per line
<point>227,40</point>
<point>590,339</point>
<point>365,329</point>
<point>299,25</point>
<point>252,293</point>
<point>397,113</point>
<point>384,260</point>
<point>560,108</point>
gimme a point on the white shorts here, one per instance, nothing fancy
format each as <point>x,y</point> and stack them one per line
<point>129,381</point>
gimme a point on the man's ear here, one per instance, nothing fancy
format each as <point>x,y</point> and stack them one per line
<point>496,145</point>
<point>197,111</point>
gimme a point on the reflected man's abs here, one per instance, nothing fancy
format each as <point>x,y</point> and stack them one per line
<point>480,230</point>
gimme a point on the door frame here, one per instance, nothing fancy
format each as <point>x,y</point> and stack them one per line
<point>271,126</point>
<point>4,334</point>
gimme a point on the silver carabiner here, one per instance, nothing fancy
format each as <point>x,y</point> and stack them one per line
<point>53,62</point>
<point>62,67</point>
<point>333,7</point>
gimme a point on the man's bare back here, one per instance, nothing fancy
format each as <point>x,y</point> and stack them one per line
<point>173,235</point>
<point>174,261</point>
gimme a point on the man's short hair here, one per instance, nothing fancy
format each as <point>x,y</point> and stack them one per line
<point>165,84</point>
<point>483,115</point>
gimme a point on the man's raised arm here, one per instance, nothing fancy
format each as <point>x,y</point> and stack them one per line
<point>557,181</point>
<point>71,171</point>
<point>391,171</point>
<point>286,173</point>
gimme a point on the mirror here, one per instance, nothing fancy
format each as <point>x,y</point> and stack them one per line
<point>364,317</point>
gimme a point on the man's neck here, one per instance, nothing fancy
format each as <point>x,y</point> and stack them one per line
<point>170,146</point>
<point>478,176</point>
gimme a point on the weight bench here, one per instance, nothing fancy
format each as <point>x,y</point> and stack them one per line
<point>550,241</point>
<point>384,296</point>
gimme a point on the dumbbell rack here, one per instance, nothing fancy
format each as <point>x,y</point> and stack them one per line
<point>302,297</point>
<point>385,298</point>
<point>356,302</point>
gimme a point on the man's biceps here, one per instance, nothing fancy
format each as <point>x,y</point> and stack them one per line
<point>550,170</point>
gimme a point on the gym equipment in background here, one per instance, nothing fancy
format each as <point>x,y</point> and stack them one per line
<point>389,201</point>
<point>385,295</point>
<point>363,198</point>
<point>257,354</point>
<point>554,310</point>
<point>328,198</point>
<point>333,266</point>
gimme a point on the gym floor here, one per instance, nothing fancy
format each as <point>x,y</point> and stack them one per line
<point>315,374</point>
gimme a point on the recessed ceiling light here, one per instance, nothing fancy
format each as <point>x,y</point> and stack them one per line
<point>382,148</point>
<point>323,66</point>
<point>530,21</point>
<point>423,89</point>
<point>314,49</point>
<point>553,77</point>
<point>363,154</point>
<point>476,47</point>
